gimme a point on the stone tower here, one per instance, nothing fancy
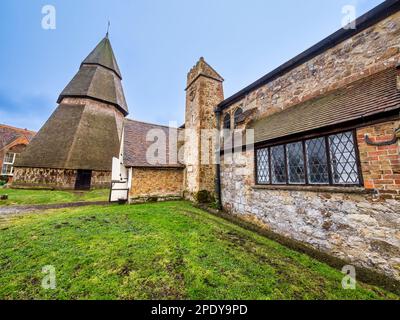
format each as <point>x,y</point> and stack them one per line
<point>75,147</point>
<point>203,93</point>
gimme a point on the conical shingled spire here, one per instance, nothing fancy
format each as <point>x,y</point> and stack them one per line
<point>98,78</point>
<point>103,55</point>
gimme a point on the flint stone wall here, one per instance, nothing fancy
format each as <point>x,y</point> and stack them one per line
<point>61,179</point>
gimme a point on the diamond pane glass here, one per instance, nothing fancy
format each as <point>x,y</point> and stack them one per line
<point>343,159</point>
<point>263,166</point>
<point>295,162</point>
<point>317,161</point>
<point>278,165</point>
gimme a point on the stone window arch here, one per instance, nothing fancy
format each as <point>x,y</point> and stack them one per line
<point>238,113</point>
<point>227,121</point>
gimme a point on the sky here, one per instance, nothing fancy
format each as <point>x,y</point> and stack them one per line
<point>156,42</point>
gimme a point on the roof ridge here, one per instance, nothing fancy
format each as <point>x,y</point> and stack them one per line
<point>16,128</point>
<point>150,123</point>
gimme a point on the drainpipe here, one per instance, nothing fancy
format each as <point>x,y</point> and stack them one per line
<point>398,76</point>
<point>218,165</point>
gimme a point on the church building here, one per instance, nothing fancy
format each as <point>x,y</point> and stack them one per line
<point>320,164</point>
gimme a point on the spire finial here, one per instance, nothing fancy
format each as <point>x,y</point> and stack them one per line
<point>108,28</point>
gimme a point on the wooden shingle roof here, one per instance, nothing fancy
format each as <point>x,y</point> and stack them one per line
<point>98,78</point>
<point>74,137</point>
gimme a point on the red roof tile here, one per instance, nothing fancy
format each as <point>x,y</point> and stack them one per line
<point>136,145</point>
<point>9,134</point>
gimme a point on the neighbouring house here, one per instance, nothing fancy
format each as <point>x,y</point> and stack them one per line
<point>12,142</point>
<point>320,163</point>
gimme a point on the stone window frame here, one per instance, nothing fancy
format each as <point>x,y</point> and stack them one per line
<point>238,112</point>
<point>328,151</point>
<point>227,119</point>
<point>8,164</point>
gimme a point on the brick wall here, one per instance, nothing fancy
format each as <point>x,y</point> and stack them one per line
<point>380,164</point>
<point>161,183</point>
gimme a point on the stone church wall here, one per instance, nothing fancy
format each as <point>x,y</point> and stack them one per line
<point>157,184</point>
<point>372,50</point>
<point>204,93</point>
<point>354,224</point>
<point>61,179</point>
<point>360,225</point>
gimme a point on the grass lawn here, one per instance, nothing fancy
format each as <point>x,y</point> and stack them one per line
<point>158,251</point>
<point>32,197</point>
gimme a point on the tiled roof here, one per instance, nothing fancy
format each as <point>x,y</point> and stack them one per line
<point>136,145</point>
<point>9,134</point>
<point>370,96</point>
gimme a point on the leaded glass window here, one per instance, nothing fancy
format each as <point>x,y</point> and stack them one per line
<point>327,160</point>
<point>343,159</point>
<point>278,165</point>
<point>263,176</point>
<point>295,163</point>
<point>317,161</point>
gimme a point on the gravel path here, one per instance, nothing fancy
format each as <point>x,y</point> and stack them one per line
<point>15,210</point>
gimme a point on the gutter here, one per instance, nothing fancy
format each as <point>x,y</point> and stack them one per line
<point>377,14</point>
<point>218,162</point>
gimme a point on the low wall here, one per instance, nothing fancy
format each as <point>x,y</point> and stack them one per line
<point>156,183</point>
<point>62,179</point>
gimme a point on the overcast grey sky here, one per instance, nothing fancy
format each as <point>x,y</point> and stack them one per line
<point>156,43</point>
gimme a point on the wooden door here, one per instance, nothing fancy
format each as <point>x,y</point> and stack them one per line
<point>83,180</point>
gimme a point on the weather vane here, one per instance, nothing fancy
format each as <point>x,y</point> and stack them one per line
<point>108,28</point>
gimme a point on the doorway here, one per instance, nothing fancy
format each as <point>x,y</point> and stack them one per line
<point>83,180</point>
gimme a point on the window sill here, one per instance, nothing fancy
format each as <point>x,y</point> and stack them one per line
<point>331,189</point>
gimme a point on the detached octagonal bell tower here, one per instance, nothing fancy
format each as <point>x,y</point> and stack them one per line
<point>203,93</point>
<point>75,147</point>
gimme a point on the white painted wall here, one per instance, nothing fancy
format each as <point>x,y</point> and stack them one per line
<point>121,177</point>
